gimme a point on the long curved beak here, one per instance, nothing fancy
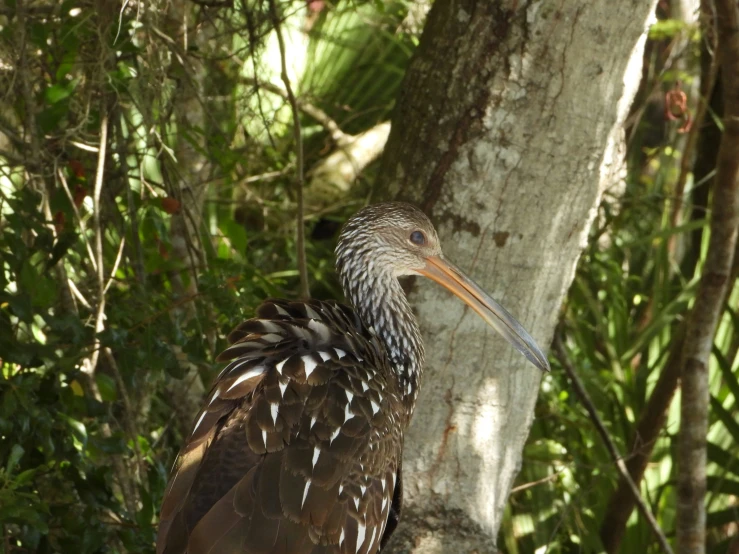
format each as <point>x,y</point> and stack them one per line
<point>451,277</point>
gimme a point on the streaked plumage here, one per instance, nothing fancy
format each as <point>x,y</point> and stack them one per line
<point>299,445</point>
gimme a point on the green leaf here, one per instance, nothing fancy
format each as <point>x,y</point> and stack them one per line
<point>723,458</point>
<point>15,455</point>
<point>78,428</point>
<point>236,235</point>
<point>730,379</point>
<point>57,93</point>
<point>40,288</point>
<point>726,418</point>
<point>722,485</point>
<point>66,65</point>
<point>25,477</point>
<point>107,387</point>
<point>666,28</point>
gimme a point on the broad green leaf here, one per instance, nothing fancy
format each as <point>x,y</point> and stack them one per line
<point>236,235</point>
<point>722,485</point>
<point>726,418</point>
<point>729,378</point>
<point>59,92</point>
<point>723,458</point>
<point>15,455</point>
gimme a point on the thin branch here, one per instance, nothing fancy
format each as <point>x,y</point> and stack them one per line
<point>78,295</point>
<point>651,421</point>
<point>265,177</point>
<point>138,257</point>
<point>704,317</point>
<point>85,147</point>
<point>83,231</point>
<point>115,264</point>
<point>561,354</point>
<point>337,135</point>
<point>532,484</point>
<point>302,263</point>
<point>90,364</point>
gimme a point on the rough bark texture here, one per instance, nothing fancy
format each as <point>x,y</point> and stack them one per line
<point>507,130</point>
<point>709,300</point>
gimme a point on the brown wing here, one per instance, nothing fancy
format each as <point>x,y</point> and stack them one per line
<point>295,451</point>
<point>395,508</point>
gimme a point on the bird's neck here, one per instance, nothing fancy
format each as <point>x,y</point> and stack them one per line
<point>383,307</point>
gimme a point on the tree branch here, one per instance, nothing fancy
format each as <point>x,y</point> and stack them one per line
<point>337,135</point>
<point>90,364</point>
<point>302,263</point>
<point>561,354</point>
<point>137,258</point>
<point>651,421</point>
<point>704,317</point>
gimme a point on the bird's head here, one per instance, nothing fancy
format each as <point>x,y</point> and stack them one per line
<point>395,238</point>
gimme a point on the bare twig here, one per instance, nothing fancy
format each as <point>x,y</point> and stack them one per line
<point>138,256</point>
<point>78,295</point>
<point>337,135</point>
<point>651,421</point>
<point>90,364</point>
<point>302,263</point>
<point>115,264</point>
<point>532,484</point>
<point>83,231</point>
<point>85,147</point>
<point>708,306</point>
<point>561,354</point>
<point>264,177</point>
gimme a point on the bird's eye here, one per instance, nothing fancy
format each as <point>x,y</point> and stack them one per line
<point>418,238</point>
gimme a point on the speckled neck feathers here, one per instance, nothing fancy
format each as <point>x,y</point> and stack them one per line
<point>378,298</point>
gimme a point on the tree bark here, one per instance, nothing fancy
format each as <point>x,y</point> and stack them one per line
<point>709,300</point>
<point>507,130</point>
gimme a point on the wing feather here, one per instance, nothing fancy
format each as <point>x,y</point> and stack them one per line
<point>278,458</point>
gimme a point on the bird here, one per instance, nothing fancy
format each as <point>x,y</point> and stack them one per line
<point>298,447</point>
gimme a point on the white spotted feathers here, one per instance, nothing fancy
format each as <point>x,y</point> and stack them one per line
<point>298,447</point>
<point>298,431</point>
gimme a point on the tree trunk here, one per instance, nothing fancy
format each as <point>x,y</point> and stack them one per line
<point>709,299</point>
<point>508,129</point>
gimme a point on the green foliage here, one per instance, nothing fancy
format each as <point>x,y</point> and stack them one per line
<point>94,401</point>
<point>634,284</point>
<point>92,414</point>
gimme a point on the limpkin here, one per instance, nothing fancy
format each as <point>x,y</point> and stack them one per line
<point>298,448</point>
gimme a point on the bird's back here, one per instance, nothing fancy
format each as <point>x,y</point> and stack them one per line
<point>297,449</point>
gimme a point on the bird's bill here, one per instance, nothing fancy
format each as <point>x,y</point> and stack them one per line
<point>451,277</point>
